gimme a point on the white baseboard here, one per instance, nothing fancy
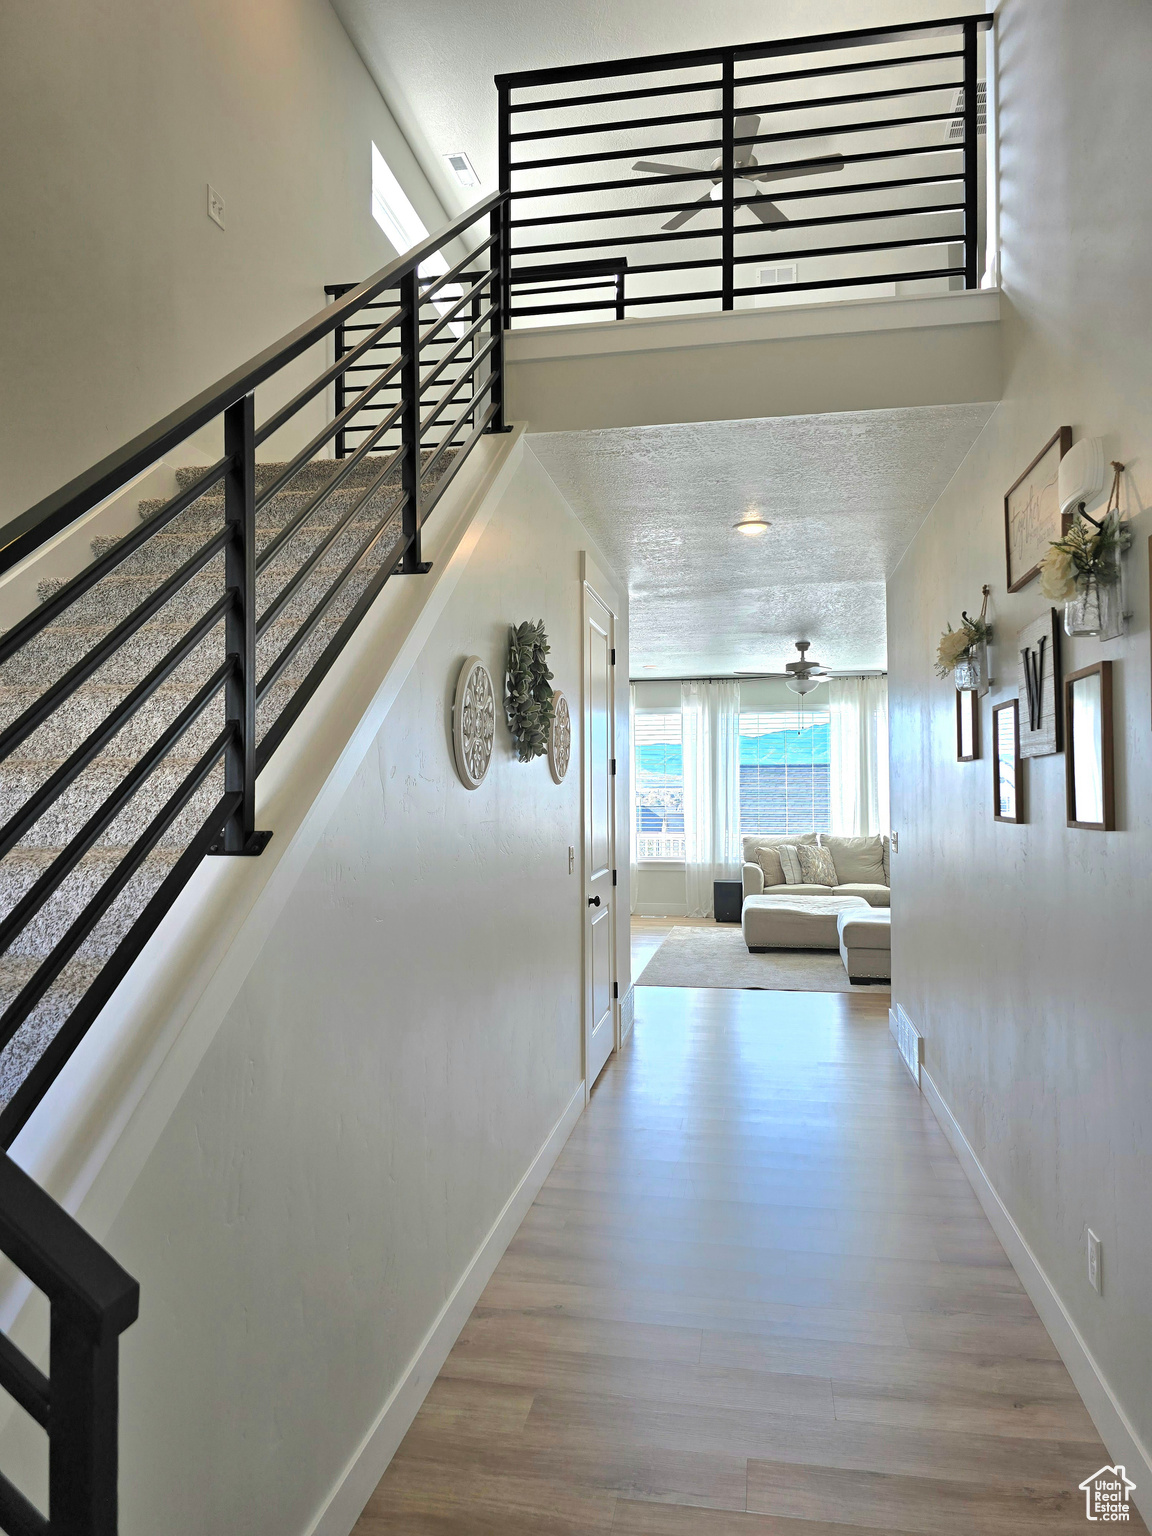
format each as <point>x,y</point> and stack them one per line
<point>1112,1423</point>
<point>341,1509</point>
<point>662,909</point>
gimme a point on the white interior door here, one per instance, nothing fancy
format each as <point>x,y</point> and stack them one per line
<point>599,837</point>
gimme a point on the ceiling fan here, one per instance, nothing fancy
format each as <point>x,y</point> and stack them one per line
<point>748,168</point>
<point>800,676</point>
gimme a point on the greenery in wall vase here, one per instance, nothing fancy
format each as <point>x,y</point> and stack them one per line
<point>1084,569</point>
<point>962,651</point>
<point>528,690</point>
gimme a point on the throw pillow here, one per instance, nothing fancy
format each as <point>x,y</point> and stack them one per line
<point>790,864</point>
<point>858,860</point>
<point>765,852</point>
<point>817,867</point>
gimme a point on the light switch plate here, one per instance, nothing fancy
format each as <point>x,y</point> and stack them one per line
<point>1095,1259</point>
<point>895,837</point>
<point>215,206</point>
<point>571,859</point>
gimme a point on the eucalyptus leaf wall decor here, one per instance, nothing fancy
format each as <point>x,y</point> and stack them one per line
<point>528,690</point>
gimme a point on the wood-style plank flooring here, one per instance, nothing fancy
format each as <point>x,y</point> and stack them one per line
<point>755,1297</point>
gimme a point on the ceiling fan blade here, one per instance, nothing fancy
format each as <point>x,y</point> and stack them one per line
<point>811,168</point>
<point>766,212</point>
<point>685,214</point>
<point>655,168</point>
<point>743,128</point>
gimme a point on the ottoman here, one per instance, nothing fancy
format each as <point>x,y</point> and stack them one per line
<point>866,944</point>
<point>797,922</point>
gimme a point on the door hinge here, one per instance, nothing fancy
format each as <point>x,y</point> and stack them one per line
<point>612,765</point>
<point>615,989</point>
<point>613,655</point>
<point>613,877</point>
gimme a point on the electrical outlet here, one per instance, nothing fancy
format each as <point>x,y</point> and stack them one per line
<point>571,860</point>
<point>215,206</point>
<point>1095,1260</point>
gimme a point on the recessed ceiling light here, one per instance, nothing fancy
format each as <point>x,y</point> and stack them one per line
<point>752,526</point>
<point>462,168</point>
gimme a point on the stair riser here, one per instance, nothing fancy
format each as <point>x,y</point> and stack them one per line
<point>206,516</point>
<point>60,823</point>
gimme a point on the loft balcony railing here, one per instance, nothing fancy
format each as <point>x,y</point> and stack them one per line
<point>828,166</point>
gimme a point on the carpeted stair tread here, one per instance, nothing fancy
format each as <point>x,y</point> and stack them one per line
<point>29,672</point>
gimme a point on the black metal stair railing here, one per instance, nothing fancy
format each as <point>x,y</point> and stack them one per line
<point>279,596</point>
<point>851,157</point>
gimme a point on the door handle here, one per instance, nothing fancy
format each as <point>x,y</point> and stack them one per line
<point>593,901</point>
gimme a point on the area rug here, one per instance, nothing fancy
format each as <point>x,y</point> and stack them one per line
<point>716,956</point>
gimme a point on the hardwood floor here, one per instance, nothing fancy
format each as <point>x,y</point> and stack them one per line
<point>755,1297</point>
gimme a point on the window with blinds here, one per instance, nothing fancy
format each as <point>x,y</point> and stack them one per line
<point>784,771</point>
<point>659,780</point>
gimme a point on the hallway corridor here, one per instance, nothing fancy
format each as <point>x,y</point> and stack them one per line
<point>756,1296</point>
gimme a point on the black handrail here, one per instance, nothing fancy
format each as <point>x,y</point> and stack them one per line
<point>730,229</point>
<point>55,512</point>
<point>92,1301</point>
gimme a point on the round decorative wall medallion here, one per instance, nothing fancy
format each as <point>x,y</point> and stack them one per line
<point>473,722</point>
<point>560,738</point>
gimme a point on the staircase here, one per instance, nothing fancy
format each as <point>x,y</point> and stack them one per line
<point>305,561</point>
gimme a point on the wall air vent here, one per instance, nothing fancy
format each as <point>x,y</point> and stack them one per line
<point>956,126</point>
<point>775,277</point>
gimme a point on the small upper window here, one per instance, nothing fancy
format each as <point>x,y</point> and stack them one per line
<point>392,209</point>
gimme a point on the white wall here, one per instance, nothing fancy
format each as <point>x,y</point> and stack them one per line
<point>1022,953</point>
<point>403,1045</point>
<point>119,298</point>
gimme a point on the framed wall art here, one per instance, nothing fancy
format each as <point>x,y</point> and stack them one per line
<point>1007,776</point>
<point>1032,518</point>
<point>1041,687</point>
<point>967,725</point>
<point>1089,773</point>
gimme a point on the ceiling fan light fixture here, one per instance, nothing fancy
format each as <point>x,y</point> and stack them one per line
<point>802,685</point>
<point>752,527</point>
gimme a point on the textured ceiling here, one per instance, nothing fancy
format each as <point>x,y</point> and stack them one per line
<point>434,62</point>
<point>844,495</point>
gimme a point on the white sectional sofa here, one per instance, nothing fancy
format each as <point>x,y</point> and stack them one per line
<point>861,865</point>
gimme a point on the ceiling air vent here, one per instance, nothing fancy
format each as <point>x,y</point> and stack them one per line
<point>956,126</point>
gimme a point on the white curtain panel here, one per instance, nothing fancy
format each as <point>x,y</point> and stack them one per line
<point>859,756</point>
<point>710,716</point>
<point>633,879</point>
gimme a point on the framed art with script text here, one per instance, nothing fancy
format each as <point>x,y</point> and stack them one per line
<point>1032,517</point>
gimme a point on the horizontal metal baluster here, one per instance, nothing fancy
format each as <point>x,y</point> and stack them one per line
<point>36,714</point>
<point>63,951</point>
<point>18,1516</point>
<point>450,357</point>
<point>20,634</point>
<point>310,391</point>
<point>491,413</point>
<point>449,315</point>
<point>450,394</point>
<point>304,571</point>
<point>277,668</point>
<point>22,1381</point>
<point>307,453</point>
<point>434,284</point>
<point>290,529</point>
<point>52,788</point>
<point>68,858</point>
<point>463,416</point>
<point>15,1114</point>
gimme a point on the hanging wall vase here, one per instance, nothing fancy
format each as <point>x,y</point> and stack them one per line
<point>1097,608</point>
<point>473,722</point>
